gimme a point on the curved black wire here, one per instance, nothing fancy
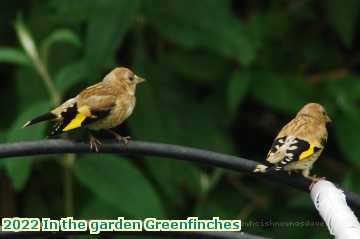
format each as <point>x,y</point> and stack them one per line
<point>56,146</point>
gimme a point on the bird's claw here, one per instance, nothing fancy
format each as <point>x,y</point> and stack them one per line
<point>94,143</point>
<point>260,168</point>
<point>123,139</point>
<point>314,179</point>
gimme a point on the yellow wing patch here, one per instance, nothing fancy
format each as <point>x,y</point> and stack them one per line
<point>76,122</point>
<point>307,153</point>
<point>84,112</point>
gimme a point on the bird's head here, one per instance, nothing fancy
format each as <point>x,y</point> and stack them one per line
<point>316,111</point>
<point>125,77</point>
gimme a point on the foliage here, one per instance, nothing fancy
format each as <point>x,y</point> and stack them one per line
<point>221,75</point>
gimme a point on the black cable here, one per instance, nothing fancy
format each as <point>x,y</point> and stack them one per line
<point>55,146</point>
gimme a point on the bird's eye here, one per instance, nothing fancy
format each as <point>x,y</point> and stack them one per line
<point>131,78</point>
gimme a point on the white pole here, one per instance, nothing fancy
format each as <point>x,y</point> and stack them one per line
<point>331,204</point>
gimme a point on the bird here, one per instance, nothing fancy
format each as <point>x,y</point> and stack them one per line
<point>101,106</point>
<point>299,143</point>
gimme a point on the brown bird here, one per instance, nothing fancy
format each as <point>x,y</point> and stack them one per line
<point>104,105</point>
<point>299,143</point>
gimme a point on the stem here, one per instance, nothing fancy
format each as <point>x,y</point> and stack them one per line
<point>31,50</point>
<point>68,159</point>
<point>55,95</point>
<point>68,184</point>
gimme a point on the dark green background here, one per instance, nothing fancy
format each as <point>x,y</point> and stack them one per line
<point>221,75</point>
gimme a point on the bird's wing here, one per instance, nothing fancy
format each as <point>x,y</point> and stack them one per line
<point>301,138</point>
<point>92,104</point>
<point>289,149</point>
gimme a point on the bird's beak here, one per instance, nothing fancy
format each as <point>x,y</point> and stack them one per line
<point>138,79</point>
<point>328,120</point>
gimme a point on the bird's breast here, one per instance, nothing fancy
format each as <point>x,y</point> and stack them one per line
<point>120,112</point>
<point>130,107</point>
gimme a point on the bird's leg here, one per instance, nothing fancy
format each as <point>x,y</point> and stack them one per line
<point>122,139</point>
<point>314,178</point>
<point>94,143</point>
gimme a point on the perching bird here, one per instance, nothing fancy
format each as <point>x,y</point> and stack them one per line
<point>299,143</point>
<point>104,105</point>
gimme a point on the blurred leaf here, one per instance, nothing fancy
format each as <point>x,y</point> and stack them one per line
<point>202,66</point>
<point>222,203</point>
<point>71,11</point>
<point>206,23</point>
<point>58,36</point>
<point>282,92</point>
<point>301,201</point>
<point>109,22</point>
<point>29,46</point>
<point>237,88</point>
<point>119,183</point>
<point>25,77</point>
<point>13,56</point>
<point>70,75</point>
<point>97,208</point>
<point>347,129</point>
<point>26,39</point>
<point>19,168</point>
<point>344,93</point>
<point>342,16</point>
<point>347,182</point>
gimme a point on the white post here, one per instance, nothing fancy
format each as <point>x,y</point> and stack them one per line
<point>338,216</point>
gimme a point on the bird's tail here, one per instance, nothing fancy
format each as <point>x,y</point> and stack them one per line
<point>260,168</point>
<point>41,118</point>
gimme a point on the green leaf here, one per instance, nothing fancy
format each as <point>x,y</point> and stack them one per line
<point>202,66</point>
<point>13,56</point>
<point>70,75</point>
<point>206,23</point>
<point>26,40</point>
<point>119,183</point>
<point>59,36</point>
<point>71,11</point>
<point>109,22</point>
<point>237,88</point>
<point>284,92</point>
<point>301,201</point>
<point>347,182</point>
<point>19,168</point>
<point>344,93</point>
<point>347,130</point>
<point>222,203</point>
<point>342,16</point>
<point>24,77</point>
<point>98,208</point>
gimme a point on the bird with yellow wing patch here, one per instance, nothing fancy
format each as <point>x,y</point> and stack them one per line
<point>102,106</point>
<point>299,143</point>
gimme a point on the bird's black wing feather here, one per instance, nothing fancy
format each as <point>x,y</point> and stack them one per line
<point>70,113</point>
